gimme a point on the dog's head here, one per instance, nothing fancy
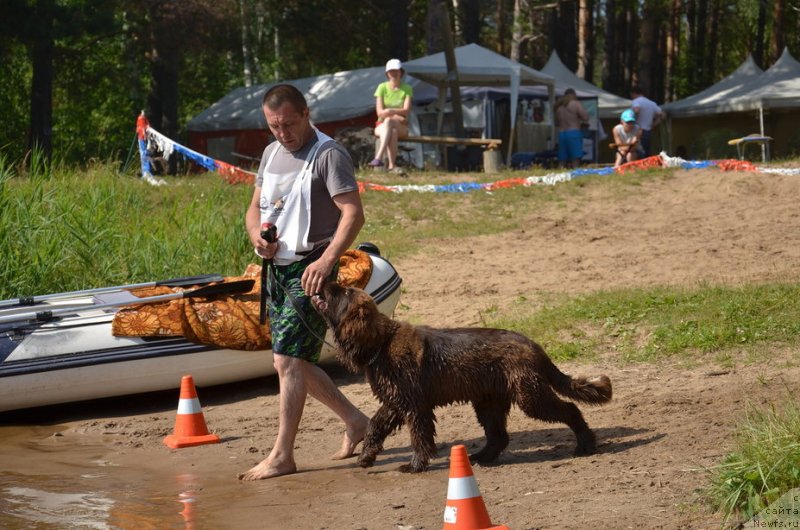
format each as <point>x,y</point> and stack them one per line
<point>355,320</point>
<point>338,304</point>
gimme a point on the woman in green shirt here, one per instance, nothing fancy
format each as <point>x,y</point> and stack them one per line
<point>392,106</point>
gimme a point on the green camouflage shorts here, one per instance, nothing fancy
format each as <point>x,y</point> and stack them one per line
<point>290,335</point>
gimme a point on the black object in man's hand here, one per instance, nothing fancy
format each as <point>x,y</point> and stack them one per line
<point>269,233</point>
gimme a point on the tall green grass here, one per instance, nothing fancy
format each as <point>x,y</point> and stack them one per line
<point>70,229</point>
<point>764,464</point>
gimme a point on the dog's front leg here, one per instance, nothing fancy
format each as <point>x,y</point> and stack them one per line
<point>422,427</point>
<point>382,424</point>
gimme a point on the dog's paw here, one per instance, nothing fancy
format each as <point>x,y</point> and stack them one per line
<point>484,462</point>
<point>366,460</point>
<point>410,468</point>
<point>587,445</point>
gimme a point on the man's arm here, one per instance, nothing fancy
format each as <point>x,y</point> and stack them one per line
<point>657,117</point>
<point>350,224</point>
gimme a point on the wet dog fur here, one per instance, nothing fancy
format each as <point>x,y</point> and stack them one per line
<point>414,369</point>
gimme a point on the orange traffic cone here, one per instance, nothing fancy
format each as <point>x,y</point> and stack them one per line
<point>464,509</point>
<point>190,425</point>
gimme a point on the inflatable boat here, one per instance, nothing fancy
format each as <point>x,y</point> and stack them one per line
<point>59,348</point>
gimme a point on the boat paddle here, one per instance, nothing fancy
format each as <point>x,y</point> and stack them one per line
<point>237,287</point>
<point>186,281</point>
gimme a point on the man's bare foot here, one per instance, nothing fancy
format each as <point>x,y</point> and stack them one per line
<point>351,439</point>
<point>266,469</point>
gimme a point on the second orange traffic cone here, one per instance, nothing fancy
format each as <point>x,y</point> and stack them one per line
<point>190,425</point>
<point>464,509</point>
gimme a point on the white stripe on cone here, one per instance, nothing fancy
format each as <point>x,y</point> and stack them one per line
<point>462,488</point>
<point>189,406</point>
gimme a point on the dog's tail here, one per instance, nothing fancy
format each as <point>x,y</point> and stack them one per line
<point>593,390</point>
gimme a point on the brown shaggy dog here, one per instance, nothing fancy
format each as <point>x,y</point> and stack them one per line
<point>413,369</point>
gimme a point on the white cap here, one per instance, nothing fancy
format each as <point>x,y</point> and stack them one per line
<point>394,64</point>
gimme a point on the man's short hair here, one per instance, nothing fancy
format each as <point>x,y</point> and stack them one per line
<point>569,91</point>
<point>636,89</point>
<point>283,93</point>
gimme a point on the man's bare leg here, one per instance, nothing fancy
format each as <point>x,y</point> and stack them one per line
<point>292,397</point>
<point>323,389</point>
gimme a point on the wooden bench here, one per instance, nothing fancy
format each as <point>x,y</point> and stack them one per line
<point>492,159</point>
<point>489,143</point>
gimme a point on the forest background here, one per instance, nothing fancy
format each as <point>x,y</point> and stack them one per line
<point>74,74</point>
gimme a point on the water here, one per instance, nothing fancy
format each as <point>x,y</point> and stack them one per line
<point>52,481</point>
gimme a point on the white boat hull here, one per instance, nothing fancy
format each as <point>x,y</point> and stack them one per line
<point>77,359</point>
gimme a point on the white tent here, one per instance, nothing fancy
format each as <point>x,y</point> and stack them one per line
<point>478,66</point>
<point>609,106</point>
<point>778,87</point>
<point>713,99</point>
<point>748,101</point>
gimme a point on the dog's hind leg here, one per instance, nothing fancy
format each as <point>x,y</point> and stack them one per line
<point>385,421</point>
<point>422,428</point>
<point>539,401</point>
<point>492,415</point>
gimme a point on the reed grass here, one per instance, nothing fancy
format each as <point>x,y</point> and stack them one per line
<point>77,229</point>
<point>763,466</point>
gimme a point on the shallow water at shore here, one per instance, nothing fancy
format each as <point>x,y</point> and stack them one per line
<point>53,480</point>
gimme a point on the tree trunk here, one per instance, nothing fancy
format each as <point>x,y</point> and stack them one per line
<point>516,32</point>
<point>164,64</point>
<point>631,48</point>
<point>501,27</point>
<point>247,66</point>
<point>568,37</point>
<point>471,21</point>
<point>712,42</point>
<point>700,50</point>
<point>433,38</point>
<point>452,68</point>
<point>398,30</point>
<point>585,68</point>
<point>673,38</point>
<point>761,26</point>
<point>611,59</point>
<point>778,41</point>
<point>650,73</point>
<point>41,129</point>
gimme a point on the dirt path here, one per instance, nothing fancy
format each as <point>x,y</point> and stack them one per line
<point>666,424</point>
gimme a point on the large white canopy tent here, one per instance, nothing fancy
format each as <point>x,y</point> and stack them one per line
<point>478,66</point>
<point>712,99</point>
<point>747,101</point>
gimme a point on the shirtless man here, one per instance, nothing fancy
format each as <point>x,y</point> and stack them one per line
<point>570,116</point>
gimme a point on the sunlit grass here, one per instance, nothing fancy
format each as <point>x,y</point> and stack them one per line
<point>651,323</point>
<point>764,464</point>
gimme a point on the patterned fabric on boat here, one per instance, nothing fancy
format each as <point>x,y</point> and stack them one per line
<point>223,321</point>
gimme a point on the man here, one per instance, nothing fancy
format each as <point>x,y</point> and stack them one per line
<point>306,187</point>
<point>648,115</point>
<point>570,118</point>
